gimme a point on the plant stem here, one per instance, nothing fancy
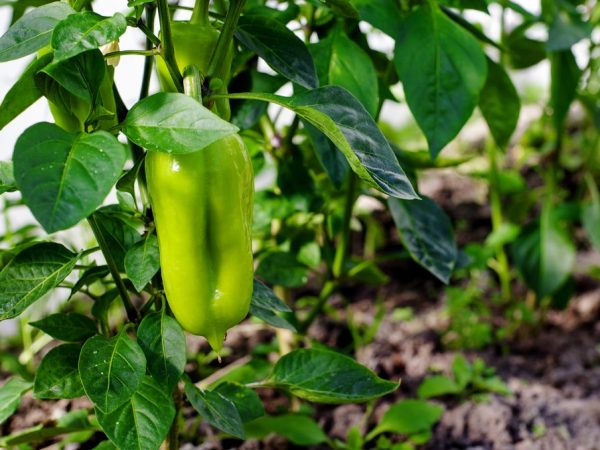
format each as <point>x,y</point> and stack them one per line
<point>328,289</point>
<point>219,56</point>
<point>342,249</point>
<point>502,268</point>
<point>167,48</point>
<point>132,314</point>
<point>200,14</point>
<point>149,62</point>
<point>173,436</point>
<point>151,52</point>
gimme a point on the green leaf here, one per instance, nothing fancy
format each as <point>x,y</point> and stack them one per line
<point>408,417</point>
<point>142,261</point>
<point>478,5</point>
<point>544,255</point>
<point>343,7</point>
<point>281,49</point>
<point>163,343</point>
<point>325,376</point>
<point>174,123</point>
<point>69,327</point>
<point>246,401</point>
<point>58,375</point>
<point>590,216</point>
<point>282,269</point>
<point>33,31</point>
<point>343,63</point>
<point>64,177</point>
<point>297,428</point>
<point>7,180</point>
<point>382,14</point>
<point>80,75</point>
<point>427,234</point>
<point>437,386</point>
<point>111,370</point>
<point>142,422</point>
<point>85,31</point>
<point>24,92</point>
<point>565,75</point>
<point>217,410</point>
<point>265,305</point>
<point>522,51</point>
<point>442,69</point>
<point>332,160</point>
<point>119,233</point>
<point>10,396</point>
<point>500,104</point>
<point>567,29</point>
<point>90,276</point>
<point>30,274</point>
<point>343,119</point>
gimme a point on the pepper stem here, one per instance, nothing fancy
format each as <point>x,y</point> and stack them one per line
<point>219,56</point>
<point>200,14</point>
<point>167,49</point>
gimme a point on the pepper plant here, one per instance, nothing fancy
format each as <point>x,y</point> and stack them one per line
<point>179,248</point>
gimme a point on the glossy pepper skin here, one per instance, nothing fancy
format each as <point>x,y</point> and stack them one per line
<point>202,204</point>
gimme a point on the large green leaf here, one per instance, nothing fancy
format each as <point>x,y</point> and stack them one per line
<point>58,375</point>
<point>142,261</point>
<point>565,75</point>
<point>33,31</point>
<point>382,14</point>
<point>141,423</point>
<point>216,409</point>
<point>174,123</point>
<point>163,343</point>
<point>70,327</point>
<point>30,274</point>
<point>64,177</point>
<point>279,47</point>
<point>325,376</point>
<point>10,396</point>
<point>500,104</point>
<point>23,93</point>
<point>567,28</point>
<point>246,401</point>
<point>343,119</point>
<point>427,234</point>
<point>85,31</point>
<point>111,370</point>
<point>442,69</point>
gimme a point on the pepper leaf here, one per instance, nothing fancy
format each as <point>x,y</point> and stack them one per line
<point>30,274</point>
<point>58,376</point>
<point>142,261</point>
<point>10,396</point>
<point>344,120</point>
<point>174,123</point>
<point>70,327</point>
<point>32,31</point>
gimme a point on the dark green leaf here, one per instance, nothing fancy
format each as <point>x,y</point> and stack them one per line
<point>217,410</point>
<point>479,5</point>
<point>174,123</point>
<point>58,376</point>
<point>567,29</point>
<point>427,234</point>
<point>33,31</point>
<point>565,76</point>
<point>246,401</point>
<point>265,305</point>
<point>10,396</point>
<point>69,327</point>
<point>279,47</point>
<point>282,269</point>
<point>90,276</point>
<point>523,52</point>
<point>64,177</point>
<point>163,343</point>
<point>500,104</point>
<point>408,417</point>
<point>24,92</point>
<point>111,370</point>
<point>332,160</point>
<point>85,31</point>
<point>297,428</point>
<point>80,75</point>
<point>324,376</point>
<point>343,119</point>
<point>142,422</point>
<point>437,386</point>
<point>442,69</point>
<point>382,14</point>
<point>30,274</point>
<point>142,261</point>
<point>343,63</point>
<point>343,7</point>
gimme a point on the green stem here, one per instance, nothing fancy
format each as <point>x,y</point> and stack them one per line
<point>192,83</point>
<point>173,436</point>
<point>167,48</point>
<point>148,30</point>
<point>151,52</point>
<point>502,268</point>
<point>149,62</point>
<point>200,14</point>
<point>342,249</point>
<point>132,314</point>
<point>219,56</point>
<point>328,289</point>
